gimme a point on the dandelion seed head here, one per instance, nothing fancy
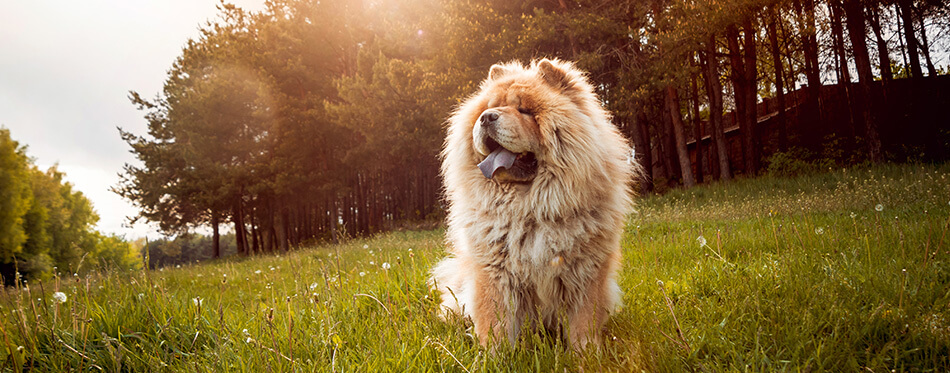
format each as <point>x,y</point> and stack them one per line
<point>701,240</point>
<point>386,265</point>
<point>59,297</point>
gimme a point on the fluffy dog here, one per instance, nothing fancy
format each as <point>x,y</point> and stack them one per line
<point>538,185</point>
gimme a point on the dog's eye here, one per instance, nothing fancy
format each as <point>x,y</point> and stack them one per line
<point>524,111</point>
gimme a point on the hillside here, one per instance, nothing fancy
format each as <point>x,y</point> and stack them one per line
<point>840,271</point>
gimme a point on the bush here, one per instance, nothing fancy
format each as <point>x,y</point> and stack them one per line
<point>797,161</point>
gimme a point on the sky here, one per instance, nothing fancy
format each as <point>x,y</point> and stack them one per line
<point>66,68</point>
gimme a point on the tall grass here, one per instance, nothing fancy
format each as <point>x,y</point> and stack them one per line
<point>846,270</point>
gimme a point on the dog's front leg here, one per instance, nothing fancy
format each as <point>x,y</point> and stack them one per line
<point>585,324</point>
<point>496,314</point>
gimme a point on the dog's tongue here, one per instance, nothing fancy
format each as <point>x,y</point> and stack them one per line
<point>500,158</point>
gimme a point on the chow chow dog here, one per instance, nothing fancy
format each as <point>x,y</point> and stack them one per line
<point>538,183</point>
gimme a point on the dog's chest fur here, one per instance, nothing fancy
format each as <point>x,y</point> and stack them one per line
<point>546,260</point>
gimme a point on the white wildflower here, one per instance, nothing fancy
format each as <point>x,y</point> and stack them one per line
<point>197,301</point>
<point>386,266</point>
<point>141,296</point>
<point>819,230</point>
<point>313,286</point>
<point>365,246</point>
<point>853,215</point>
<point>245,332</point>
<point>879,207</point>
<point>701,240</point>
<point>59,297</point>
<point>257,272</point>
<point>372,263</point>
<point>249,340</point>
<point>362,274</point>
<point>178,266</point>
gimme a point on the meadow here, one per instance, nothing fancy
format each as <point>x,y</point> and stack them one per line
<point>844,270</point>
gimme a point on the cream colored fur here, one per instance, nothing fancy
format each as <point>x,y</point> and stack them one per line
<point>545,252</point>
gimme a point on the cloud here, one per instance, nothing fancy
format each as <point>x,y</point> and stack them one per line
<point>65,76</point>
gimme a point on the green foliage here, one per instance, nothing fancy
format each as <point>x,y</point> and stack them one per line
<point>15,196</point>
<point>45,224</point>
<point>113,252</point>
<point>796,162</point>
<point>791,274</point>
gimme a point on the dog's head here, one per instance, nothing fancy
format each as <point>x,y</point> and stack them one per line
<point>540,127</point>
<point>525,119</point>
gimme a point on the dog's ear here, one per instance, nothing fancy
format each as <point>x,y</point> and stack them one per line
<point>497,71</point>
<point>554,75</point>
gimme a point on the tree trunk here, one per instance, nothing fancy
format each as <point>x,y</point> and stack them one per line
<point>667,142</point>
<point>858,34</point>
<point>751,80</point>
<point>837,32</point>
<point>740,89</point>
<point>884,59</point>
<point>640,133</point>
<point>697,127</point>
<point>925,45</point>
<point>215,235</point>
<point>237,216</point>
<point>779,79</point>
<point>844,72</point>
<point>714,92</point>
<point>679,133</point>
<point>810,46</point>
<point>906,14</point>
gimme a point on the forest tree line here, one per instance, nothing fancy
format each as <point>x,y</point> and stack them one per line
<point>319,120</point>
<point>46,227</point>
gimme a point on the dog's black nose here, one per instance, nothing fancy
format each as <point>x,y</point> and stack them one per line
<point>488,118</point>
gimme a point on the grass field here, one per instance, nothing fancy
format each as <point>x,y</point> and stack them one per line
<point>841,271</point>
